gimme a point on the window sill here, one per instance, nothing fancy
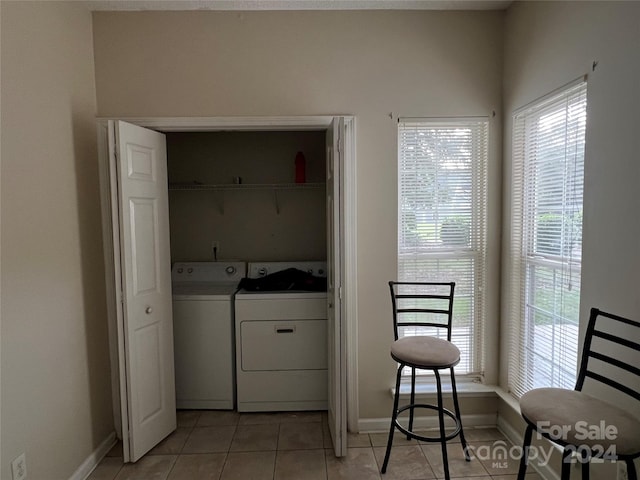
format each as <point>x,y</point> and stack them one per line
<point>427,389</point>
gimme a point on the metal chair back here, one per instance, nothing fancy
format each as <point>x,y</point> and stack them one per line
<point>418,304</point>
<point>610,349</point>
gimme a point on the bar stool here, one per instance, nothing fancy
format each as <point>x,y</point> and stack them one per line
<point>596,428</point>
<point>427,312</point>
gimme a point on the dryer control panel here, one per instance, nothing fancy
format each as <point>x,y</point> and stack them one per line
<point>225,272</point>
<point>261,269</point>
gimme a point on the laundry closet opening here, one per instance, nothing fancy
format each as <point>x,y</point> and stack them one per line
<point>249,204</point>
<point>223,194</point>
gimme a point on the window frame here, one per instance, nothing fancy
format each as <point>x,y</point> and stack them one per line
<point>476,251</point>
<point>527,258</point>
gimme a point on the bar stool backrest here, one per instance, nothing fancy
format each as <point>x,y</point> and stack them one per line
<point>609,341</point>
<point>422,306</point>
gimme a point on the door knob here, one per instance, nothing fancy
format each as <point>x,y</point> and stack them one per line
<point>148,310</point>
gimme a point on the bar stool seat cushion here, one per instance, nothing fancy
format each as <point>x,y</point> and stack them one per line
<point>582,416</point>
<point>425,352</point>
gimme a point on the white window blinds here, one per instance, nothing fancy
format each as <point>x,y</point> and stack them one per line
<point>442,172</point>
<point>546,241</point>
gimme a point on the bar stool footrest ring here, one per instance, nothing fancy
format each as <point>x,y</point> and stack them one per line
<point>411,434</point>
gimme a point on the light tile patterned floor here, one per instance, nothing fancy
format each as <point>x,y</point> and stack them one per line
<point>223,445</point>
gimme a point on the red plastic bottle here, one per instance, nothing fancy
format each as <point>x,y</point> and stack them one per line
<point>300,168</point>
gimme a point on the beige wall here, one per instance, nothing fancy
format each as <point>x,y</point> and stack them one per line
<point>373,65</point>
<point>56,391</point>
<point>55,382</point>
<point>249,224</point>
<point>548,44</point>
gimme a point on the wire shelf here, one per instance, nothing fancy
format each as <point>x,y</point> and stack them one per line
<point>246,186</point>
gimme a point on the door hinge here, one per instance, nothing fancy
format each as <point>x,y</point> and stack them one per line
<point>340,293</point>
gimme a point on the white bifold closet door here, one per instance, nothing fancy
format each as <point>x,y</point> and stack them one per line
<point>336,334</point>
<point>140,223</point>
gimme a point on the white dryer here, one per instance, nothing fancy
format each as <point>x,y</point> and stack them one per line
<point>203,332</point>
<point>281,344</point>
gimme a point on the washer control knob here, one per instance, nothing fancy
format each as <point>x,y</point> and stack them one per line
<point>262,272</point>
<point>148,310</point>
<point>321,272</point>
<point>180,270</point>
<point>310,271</point>
<point>230,270</point>
<point>190,270</point>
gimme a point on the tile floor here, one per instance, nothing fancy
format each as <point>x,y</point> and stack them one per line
<point>224,445</point>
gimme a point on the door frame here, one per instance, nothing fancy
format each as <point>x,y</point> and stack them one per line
<point>349,211</point>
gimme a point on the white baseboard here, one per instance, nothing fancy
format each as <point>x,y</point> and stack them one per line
<point>380,425</point>
<point>92,461</point>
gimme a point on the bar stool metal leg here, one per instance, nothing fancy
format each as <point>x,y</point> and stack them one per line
<point>413,399</point>
<point>456,405</point>
<point>566,464</point>
<point>585,464</point>
<point>524,460</point>
<point>631,470</point>
<point>443,435</point>
<point>394,416</point>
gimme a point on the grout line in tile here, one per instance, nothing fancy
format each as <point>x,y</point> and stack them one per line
<point>187,439</point>
<point>174,465</point>
<point>275,458</point>
<point>224,464</point>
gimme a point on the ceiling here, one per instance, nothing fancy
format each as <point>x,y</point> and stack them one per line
<point>298,4</point>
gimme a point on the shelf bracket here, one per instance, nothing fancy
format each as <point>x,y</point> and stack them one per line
<point>277,200</point>
<point>219,195</point>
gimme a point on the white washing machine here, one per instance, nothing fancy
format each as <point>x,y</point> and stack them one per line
<point>281,344</point>
<point>203,332</point>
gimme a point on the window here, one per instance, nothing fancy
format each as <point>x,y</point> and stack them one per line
<point>442,171</point>
<point>546,241</point>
